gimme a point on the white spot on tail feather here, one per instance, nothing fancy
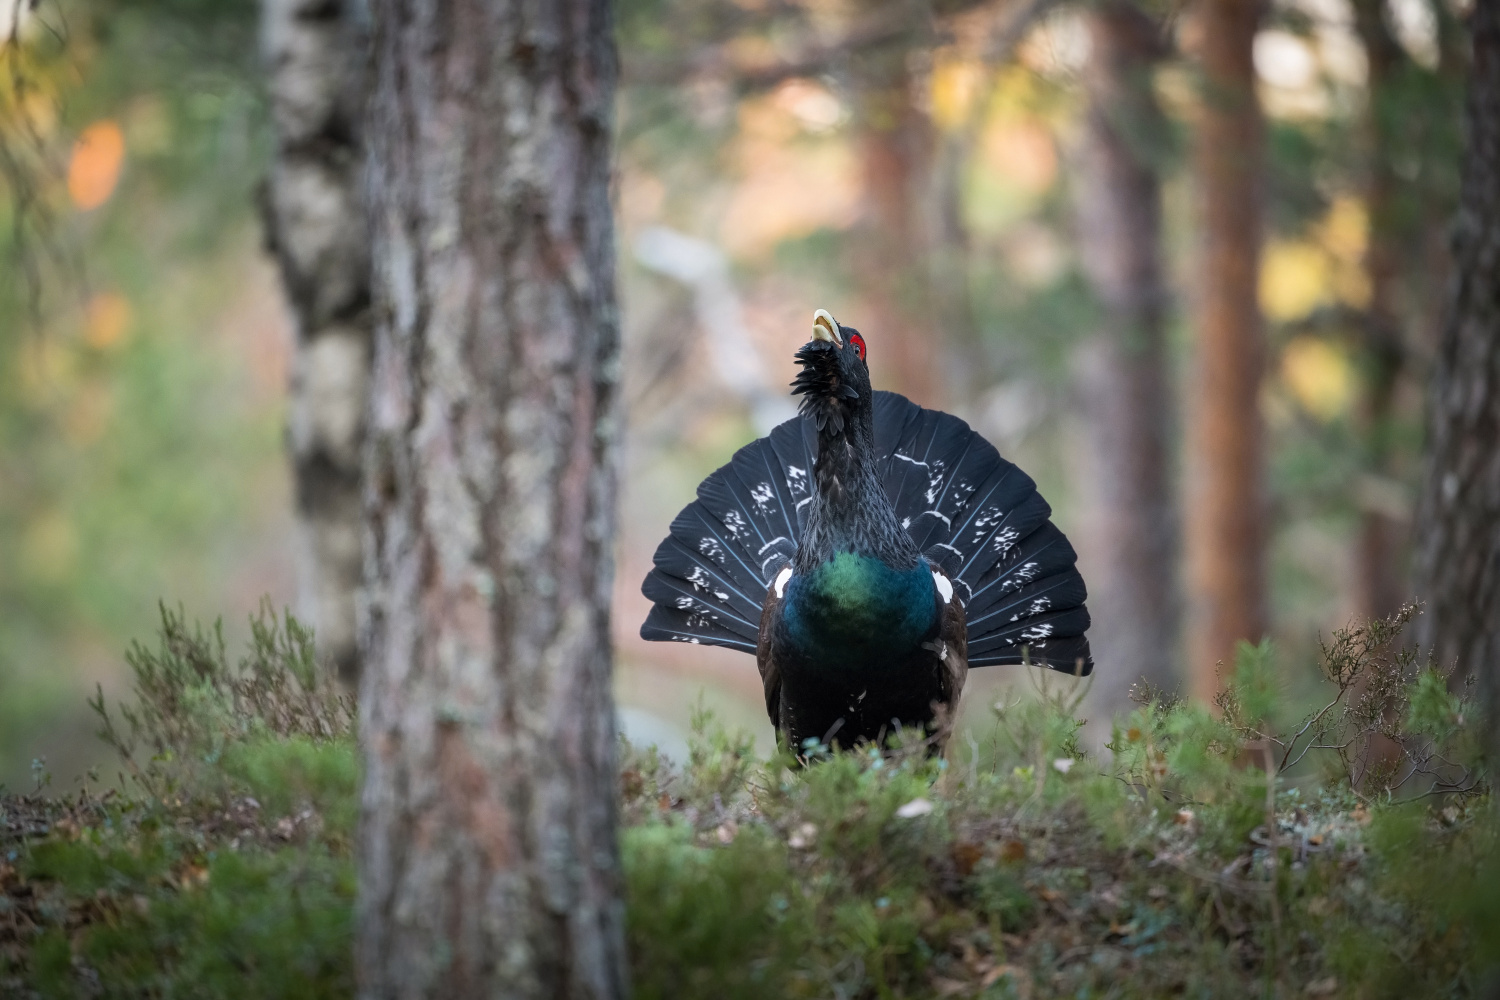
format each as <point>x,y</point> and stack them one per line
<point>1005,538</point>
<point>735,522</point>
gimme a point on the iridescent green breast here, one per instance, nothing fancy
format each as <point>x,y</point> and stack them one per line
<point>854,611</point>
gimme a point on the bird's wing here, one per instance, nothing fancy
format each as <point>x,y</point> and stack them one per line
<point>953,630</point>
<point>770,670</point>
<point>981,519</point>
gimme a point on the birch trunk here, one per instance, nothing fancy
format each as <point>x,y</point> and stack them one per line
<point>488,864</point>
<point>316,54</point>
<point>1124,376</point>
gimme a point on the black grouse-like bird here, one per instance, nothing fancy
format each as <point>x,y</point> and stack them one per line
<point>869,552</point>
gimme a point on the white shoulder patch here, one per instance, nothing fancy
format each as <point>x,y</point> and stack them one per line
<point>944,586</point>
<point>781,579</point>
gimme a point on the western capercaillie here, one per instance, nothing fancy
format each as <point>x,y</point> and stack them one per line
<point>869,552</point>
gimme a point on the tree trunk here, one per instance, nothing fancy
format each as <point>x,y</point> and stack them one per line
<point>1380,583</point>
<point>1226,536</point>
<point>316,54</point>
<point>1458,548</point>
<point>488,864</point>
<point>896,153</point>
<point>1124,370</point>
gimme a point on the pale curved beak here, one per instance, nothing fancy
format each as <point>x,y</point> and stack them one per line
<point>825,327</point>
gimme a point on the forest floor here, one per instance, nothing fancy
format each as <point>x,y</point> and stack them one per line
<point>1016,867</point>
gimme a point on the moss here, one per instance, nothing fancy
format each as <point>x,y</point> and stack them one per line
<point>721,920</point>
<point>297,772</point>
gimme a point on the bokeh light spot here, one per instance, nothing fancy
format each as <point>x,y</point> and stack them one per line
<point>1293,280</point>
<point>1023,153</point>
<point>1319,376</point>
<point>94,169</point>
<point>107,321</point>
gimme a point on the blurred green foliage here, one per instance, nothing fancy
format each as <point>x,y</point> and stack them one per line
<point>132,440</point>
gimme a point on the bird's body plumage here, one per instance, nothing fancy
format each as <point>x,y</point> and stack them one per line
<point>869,552</point>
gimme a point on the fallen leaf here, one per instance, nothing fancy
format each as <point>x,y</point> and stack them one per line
<point>1327,986</point>
<point>1012,851</point>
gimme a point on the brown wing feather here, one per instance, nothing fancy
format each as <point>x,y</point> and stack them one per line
<point>770,672</point>
<point>953,633</point>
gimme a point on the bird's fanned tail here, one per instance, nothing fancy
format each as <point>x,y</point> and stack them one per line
<point>970,511</point>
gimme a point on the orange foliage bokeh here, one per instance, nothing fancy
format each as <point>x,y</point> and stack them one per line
<point>95,166</point>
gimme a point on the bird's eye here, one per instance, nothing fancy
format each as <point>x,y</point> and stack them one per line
<point>859,344</point>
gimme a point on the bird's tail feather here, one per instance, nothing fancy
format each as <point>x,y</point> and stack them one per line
<point>970,511</point>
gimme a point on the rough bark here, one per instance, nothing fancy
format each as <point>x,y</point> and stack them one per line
<point>1380,581</point>
<point>488,864</point>
<point>1225,526</point>
<point>1125,382</point>
<point>1458,543</point>
<point>316,55</point>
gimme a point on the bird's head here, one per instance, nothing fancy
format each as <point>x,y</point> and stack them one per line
<point>834,381</point>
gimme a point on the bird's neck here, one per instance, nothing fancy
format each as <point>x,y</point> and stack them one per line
<point>849,510</point>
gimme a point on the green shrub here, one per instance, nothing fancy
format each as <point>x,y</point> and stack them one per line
<point>1207,856</point>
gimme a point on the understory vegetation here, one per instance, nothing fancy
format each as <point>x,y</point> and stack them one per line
<point>1234,853</point>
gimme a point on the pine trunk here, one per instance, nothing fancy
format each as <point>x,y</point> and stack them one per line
<point>1225,529</point>
<point>316,55</point>
<point>1124,370</point>
<point>1458,544</point>
<point>1380,583</point>
<point>488,864</point>
<point>896,155</point>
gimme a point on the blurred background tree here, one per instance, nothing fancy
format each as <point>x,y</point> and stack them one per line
<point>947,176</point>
<point>142,354</point>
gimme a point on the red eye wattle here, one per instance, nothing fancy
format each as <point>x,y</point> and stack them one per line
<point>859,344</point>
